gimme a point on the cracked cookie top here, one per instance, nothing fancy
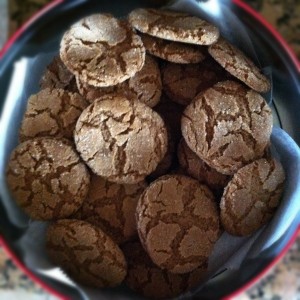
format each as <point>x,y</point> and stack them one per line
<point>175,52</point>
<point>111,207</point>
<point>145,277</point>
<point>178,223</point>
<point>85,253</point>
<point>121,140</point>
<point>51,112</point>
<point>57,76</point>
<point>227,126</point>
<point>47,178</point>
<point>239,65</point>
<point>145,85</point>
<point>174,26</point>
<point>102,50</point>
<point>252,196</point>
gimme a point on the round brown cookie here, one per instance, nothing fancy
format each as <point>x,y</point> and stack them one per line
<point>175,52</point>
<point>111,207</point>
<point>174,26</point>
<point>239,65</point>
<point>57,76</point>
<point>178,223</point>
<point>102,50</point>
<point>144,277</point>
<point>145,85</point>
<point>198,169</point>
<point>47,178</point>
<point>51,112</point>
<point>252,196</point>
<point>119,139</point>
<point>182,83</point>
<point>85,253</point>
<point>227,126</point>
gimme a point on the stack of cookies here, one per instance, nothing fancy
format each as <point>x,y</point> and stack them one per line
<point>148,138</point>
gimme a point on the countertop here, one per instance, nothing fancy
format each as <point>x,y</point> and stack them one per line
<point>281,282</point>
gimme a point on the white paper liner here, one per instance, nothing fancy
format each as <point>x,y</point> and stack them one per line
<point>229,251</point>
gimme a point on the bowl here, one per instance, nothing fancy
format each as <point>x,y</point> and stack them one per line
<point>42,33</point>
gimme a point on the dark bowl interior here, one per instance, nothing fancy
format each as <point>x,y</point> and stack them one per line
<point>44,35</point>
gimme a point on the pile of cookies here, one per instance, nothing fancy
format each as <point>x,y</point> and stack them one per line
<point>148,138</point>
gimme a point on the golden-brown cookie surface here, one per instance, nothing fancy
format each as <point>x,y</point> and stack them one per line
<point>239,65</point>
<point>121,140</point>
<point>227,126</point>
<point>102,50</point>
<point>47,178</point>
<point>52,112</point>
<point>178,223</point>
<point>174,26</point>
<point>85,253</point>
<point>252,196</point>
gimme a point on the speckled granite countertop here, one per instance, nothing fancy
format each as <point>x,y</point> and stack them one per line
<point>283,281</point>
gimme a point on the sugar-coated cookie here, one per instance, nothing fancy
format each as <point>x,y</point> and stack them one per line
<point>178,223</point>
<point>228,126</point>
<point>174,26</point>
<point>85,253</point>
<point>121,140</point>
<point>47,178</point>
<point>102,50</point>
<point>252,196</point>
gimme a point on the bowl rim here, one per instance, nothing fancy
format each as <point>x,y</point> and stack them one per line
<point>260,19</point>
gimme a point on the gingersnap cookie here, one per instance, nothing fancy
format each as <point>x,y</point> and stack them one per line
<point>252,196</point>
<point>47,178</point>
<point>174,26</point>
<point>239,65</point>
<point>51,112</point>
<point>178,223</point>
<point>85,253</point>
<point>175,52</point>
<point>198,169</point>
<point>102,50</point>
<point>111,207</point>
<point>57,76</point>
<point>227,126</point>
<point>144,277</point>
<point>144,86</point>
<point>182,83</point>
<point>121,140</point>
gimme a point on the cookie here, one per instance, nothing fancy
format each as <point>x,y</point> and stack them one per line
<point>174,26</point>
<point>102,50</point>
<point>252,196</point>
<point>85,253</point>
<point>51,112</point>
<point>178,223</point>
<point>144,277</point>
<point>121,140</point>
<point>239,65</point>
<point>47,178</point>
<point>228,126</point>
<point>175,52</point>
<point>57,76</point>
<point>111,207</point>
<point>145,85</point>
<point>198,169</point>
<point>182,83</point>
